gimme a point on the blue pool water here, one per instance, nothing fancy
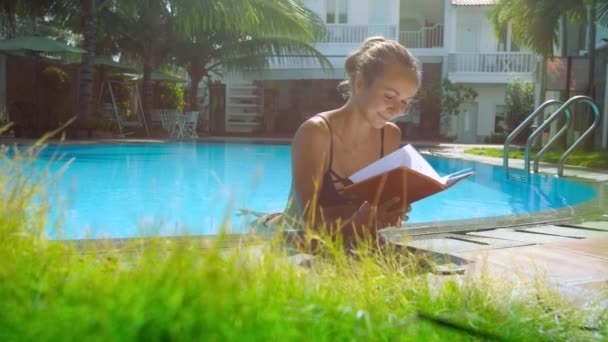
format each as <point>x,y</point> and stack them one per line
<point>121,190</point>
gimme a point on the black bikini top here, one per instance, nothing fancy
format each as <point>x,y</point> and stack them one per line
<point>332,193</point>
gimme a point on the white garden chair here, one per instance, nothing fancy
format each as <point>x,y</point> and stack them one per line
<point>189,124</point>
<point>171,121</point>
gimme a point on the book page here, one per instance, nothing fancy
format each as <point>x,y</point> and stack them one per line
<point>391,161</point>
<point>417,162</point>
<point>456,176</point>
<point>405,156</point>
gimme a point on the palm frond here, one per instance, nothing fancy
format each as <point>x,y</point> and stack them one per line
<point>272,50</point>
<point>535,23</point>
<point>602,13</point>
<point>289,17</point>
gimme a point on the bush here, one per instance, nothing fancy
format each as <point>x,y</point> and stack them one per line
<point>169,95</point>
<point>447,97</point>
<point>519,103</point>
<point>495,138</point>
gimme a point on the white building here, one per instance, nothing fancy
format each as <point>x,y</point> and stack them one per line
<point>453,39</point>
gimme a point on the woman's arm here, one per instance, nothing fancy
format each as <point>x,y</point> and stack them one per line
<point>310,158</point>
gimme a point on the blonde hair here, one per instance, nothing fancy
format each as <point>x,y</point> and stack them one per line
<point>370,59</point>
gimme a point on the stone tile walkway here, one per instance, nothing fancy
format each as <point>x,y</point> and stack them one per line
<point>571,255</point>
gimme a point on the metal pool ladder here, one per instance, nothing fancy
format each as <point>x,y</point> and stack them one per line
<point>562,110</point>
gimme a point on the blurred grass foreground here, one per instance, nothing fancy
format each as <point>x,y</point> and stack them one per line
<point>158,289</point>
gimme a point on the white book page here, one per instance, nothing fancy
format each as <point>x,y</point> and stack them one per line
<point>405,156</point>
<point>456,176</point>
<point>391,161</point>
<point>418,163</point>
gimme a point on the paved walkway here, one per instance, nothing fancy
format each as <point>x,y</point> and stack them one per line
<point>571,253</point>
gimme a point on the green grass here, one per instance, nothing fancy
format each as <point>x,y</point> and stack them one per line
<point>585,159</point>
<point>158,289</point>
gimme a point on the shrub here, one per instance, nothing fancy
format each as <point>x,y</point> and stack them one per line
<point>447,97</point>
<point>519,103</point>
<point>169,95</point>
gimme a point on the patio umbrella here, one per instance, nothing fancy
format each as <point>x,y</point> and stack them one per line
<point>37,44</point>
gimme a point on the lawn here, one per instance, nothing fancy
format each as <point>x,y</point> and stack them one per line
<point>585,159</point>
<point>158,289</point>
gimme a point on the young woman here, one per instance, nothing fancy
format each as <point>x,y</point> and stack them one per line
<point>383,78</point>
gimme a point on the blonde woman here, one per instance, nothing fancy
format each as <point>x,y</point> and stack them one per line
<point>383,78</point>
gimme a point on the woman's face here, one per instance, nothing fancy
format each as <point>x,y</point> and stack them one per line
<point>388,96</point>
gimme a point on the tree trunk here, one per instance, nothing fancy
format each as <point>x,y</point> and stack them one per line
<point>147,87</point>
<point>195,80</point>
<point>588,144</point>
<point>562,141</point>
<point>87,67</point>
<point>591,47</point>
<point>564,36</point>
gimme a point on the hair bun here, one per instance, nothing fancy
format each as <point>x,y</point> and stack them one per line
<point>370,58</point>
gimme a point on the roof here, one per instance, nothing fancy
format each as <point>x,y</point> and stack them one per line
<point>473,2</point>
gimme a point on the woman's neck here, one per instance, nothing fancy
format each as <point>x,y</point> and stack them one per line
<point>350,126</point>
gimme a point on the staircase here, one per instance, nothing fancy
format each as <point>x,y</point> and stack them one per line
<point>244,107</point>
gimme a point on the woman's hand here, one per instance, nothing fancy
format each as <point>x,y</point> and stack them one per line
<point>381,216</point>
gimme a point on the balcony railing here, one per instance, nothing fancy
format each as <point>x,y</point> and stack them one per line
<point>337,33</point>
<point>425,38</point>
<point>27,27</point>
<point>499,62</point>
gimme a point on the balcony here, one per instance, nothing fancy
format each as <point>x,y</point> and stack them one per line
<point>496,67</point>
<point>355,34</point>
<point>26,27</point>
<point>425,38</point>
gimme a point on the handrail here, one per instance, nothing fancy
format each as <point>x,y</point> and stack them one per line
<point>551,141</point>
<point>539,130</point>
<point>596,121</point>
<point>542,127</point>
<point>519,129</point>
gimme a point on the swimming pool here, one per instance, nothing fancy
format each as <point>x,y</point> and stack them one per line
<point>126,190</point>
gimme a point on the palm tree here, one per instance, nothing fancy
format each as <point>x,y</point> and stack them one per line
<point>87,67</point>
<point>205,54</point>
<point>75,15</point>
<point>537,24</point>
<point>142,29</point>
<point>213,34</point>
<point>240,35</point>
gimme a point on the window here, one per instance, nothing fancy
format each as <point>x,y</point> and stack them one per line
<point>337,12</point>
<point>505,40</point>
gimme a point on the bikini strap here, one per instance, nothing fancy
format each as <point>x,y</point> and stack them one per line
<point>331,140</point>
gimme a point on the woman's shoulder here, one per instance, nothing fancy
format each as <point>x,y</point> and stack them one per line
<point>314,128</point>
<point>390,128</point>
<point>392,134</point>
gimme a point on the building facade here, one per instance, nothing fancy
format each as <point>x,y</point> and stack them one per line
<point>453,39</point>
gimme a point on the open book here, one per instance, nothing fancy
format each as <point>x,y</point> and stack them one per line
<point>403,173</point>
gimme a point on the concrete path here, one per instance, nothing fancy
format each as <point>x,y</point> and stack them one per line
<point>571,254</point>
